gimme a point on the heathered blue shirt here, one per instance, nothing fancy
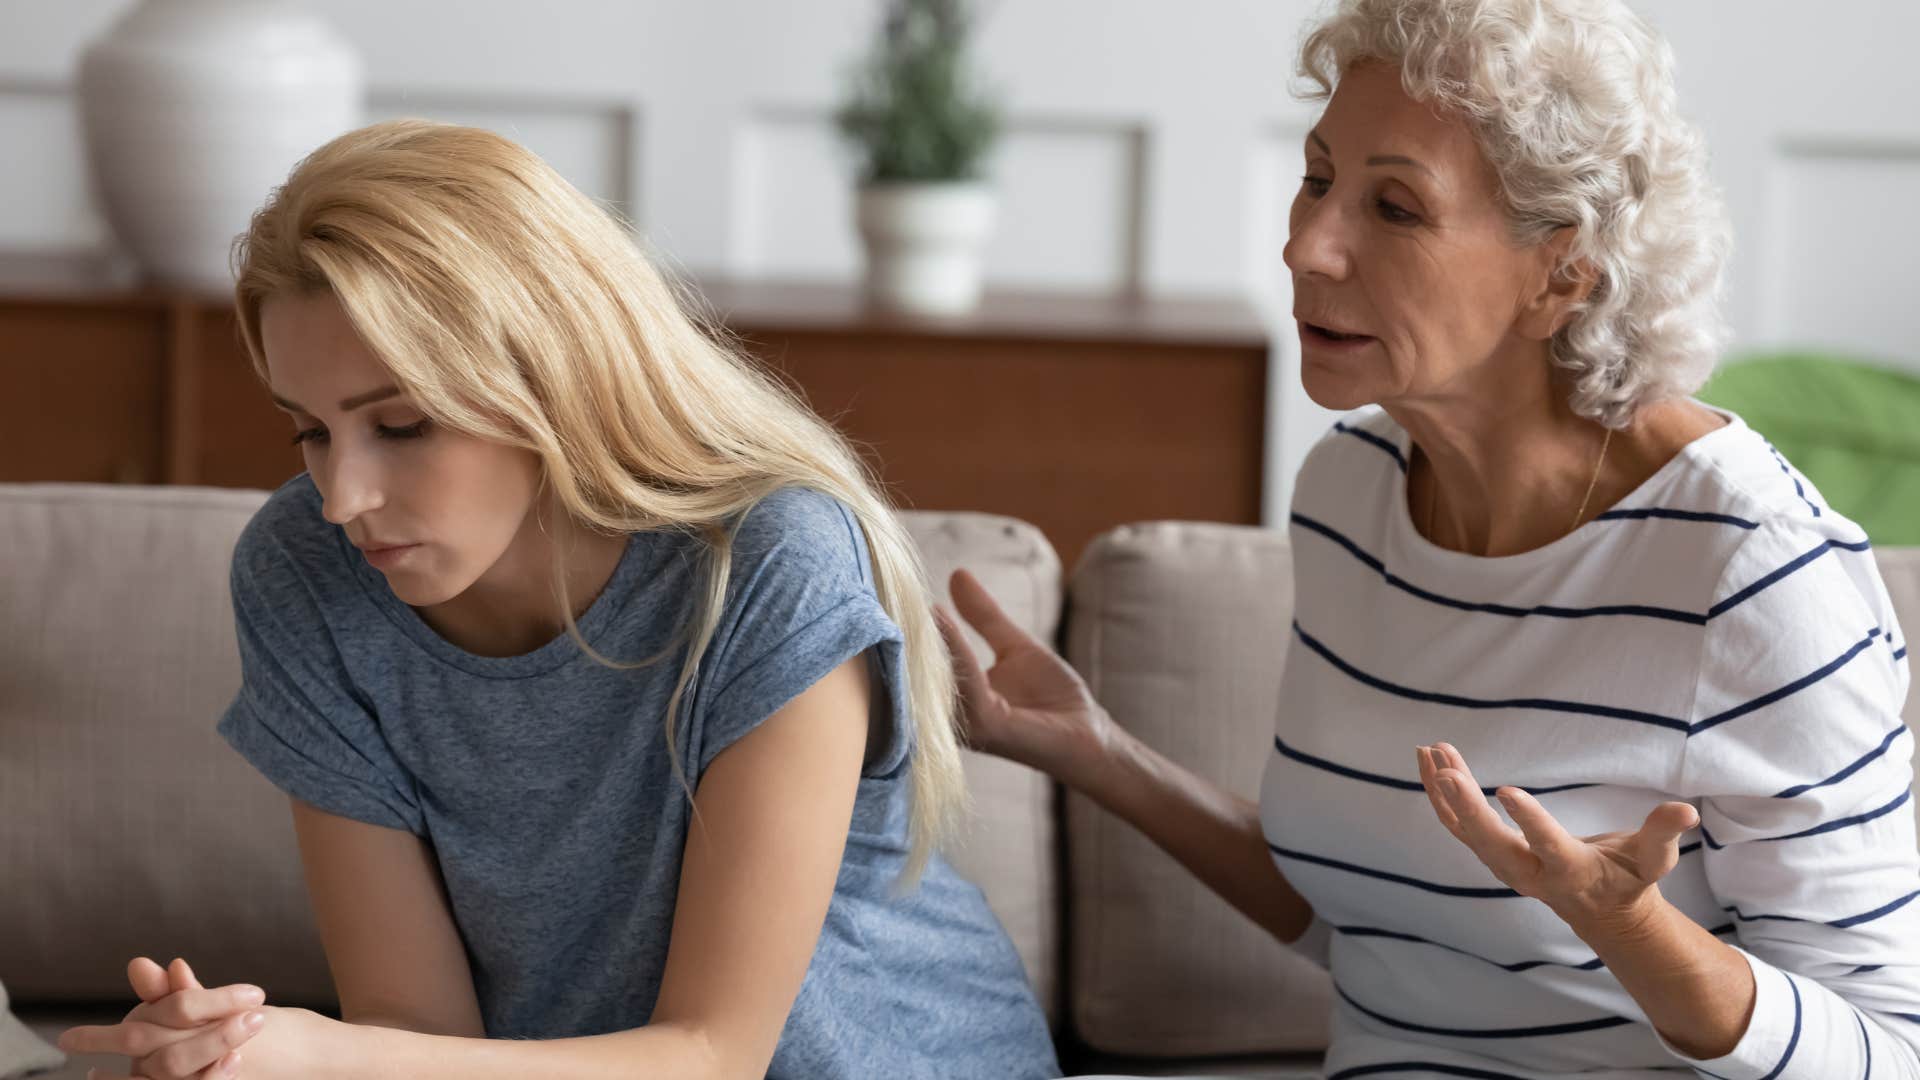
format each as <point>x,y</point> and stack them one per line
<point>543,785</point>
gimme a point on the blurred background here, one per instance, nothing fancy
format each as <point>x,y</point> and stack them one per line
<point>1133,355</point>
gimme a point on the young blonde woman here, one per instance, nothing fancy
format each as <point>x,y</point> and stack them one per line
<point>545,512</point>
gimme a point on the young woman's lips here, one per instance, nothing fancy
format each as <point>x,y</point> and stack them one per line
<point>1320,339</point>
<point>386,558</point>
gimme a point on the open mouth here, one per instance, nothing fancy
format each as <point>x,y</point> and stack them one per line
<point>1334,336</point>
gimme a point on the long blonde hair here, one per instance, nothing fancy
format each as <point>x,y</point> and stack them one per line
<point>511,307</point>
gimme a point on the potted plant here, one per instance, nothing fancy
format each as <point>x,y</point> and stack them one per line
<point>922,131</point>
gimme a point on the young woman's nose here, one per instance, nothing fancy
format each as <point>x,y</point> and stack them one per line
<point>350,484</point>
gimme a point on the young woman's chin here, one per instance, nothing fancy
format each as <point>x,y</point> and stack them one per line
<point>413,591</point>
<point>418,584</point>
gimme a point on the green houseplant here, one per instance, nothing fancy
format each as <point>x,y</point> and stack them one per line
<point>922,131</point>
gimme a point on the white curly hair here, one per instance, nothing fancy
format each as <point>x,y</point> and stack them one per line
<point>1573,104</point>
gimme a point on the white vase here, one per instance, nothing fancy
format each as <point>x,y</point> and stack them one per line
<point>925,244</point>
<point>194,110</point>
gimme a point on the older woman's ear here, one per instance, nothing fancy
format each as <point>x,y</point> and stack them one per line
<point>1559,299</point>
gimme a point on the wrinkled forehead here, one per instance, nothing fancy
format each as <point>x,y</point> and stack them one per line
<point>1371,115</point>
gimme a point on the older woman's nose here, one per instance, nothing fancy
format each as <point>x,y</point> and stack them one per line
<point>1317,242</point>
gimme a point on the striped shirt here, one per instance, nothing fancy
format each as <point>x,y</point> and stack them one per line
<point>1721,637</point>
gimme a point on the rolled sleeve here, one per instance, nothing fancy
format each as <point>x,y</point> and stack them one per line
<point>297,717</point>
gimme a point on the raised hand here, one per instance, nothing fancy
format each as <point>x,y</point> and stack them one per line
<point>1590,882</point>
<point>1031,706</point>
<point>179,1030</point>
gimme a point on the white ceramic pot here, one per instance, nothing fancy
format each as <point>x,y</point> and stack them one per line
<point>925,244</point>
<point>194,110</point>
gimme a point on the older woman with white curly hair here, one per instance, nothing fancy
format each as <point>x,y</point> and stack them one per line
<point>1589,757</point>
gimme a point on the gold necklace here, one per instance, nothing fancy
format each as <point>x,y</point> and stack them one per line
<point>1582,512</point>
<point>1433,500</point>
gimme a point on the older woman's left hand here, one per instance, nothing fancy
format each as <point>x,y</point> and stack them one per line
<point>1603,882</point>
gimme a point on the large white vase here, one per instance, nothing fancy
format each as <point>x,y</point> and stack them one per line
<point>926,244</point>
<point>194,110</point>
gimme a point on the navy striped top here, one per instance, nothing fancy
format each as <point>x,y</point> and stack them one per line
<point>1720,637</point>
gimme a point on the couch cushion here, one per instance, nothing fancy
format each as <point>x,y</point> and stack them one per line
<point>140,831</point>
<point>1180,630</point>
<point>1010,850</point>
<point>1900,569</point>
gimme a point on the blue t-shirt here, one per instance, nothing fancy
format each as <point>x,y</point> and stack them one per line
<point>543,785</point>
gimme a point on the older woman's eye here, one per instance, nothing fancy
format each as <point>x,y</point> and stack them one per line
<point>1397,214</point>
<point>1315,185</point>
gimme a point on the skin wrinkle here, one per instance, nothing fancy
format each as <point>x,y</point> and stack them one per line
<point>1579,108</point>
<point>1463,318</point>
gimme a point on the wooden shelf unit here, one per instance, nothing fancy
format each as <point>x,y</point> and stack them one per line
<point>1074,412</point>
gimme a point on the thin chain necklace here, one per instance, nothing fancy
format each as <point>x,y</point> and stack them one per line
<point>1433,500</point>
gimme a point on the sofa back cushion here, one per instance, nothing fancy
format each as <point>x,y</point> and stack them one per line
<point>1011,846</point>
<point>128,827</point>
<point>1181,629</point>
<point>1900,569</point>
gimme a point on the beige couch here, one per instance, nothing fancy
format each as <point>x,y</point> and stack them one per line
<point>128,827</point>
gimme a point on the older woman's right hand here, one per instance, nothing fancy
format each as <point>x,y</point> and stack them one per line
<point>1031,706</point>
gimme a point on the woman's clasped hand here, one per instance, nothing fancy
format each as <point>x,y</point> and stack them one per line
<point>182,1030</point>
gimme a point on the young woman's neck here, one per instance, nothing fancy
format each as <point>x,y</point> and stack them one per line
<point>512,610</point>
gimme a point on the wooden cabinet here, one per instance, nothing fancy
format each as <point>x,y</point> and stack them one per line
<point>1076,413</point>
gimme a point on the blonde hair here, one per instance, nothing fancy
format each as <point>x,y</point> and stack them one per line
<point>1573,104</point>
<point>512,308</point>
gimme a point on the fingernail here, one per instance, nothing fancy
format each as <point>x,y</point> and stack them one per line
<point>233,1064</point>
<point>250,995</point>
<point>254,1020</point>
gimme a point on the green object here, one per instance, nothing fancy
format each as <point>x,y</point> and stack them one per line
<point>1851,427</point>
<point>914,115</point>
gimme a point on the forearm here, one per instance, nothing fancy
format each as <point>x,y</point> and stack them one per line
<point>366,1052</point>
<point>404,1023</point>
<point>1701,995</point>
<point>1214,833</point>
<point>1697,992</point>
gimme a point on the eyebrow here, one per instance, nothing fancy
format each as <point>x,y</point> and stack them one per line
<point>1379,159</point>
<point>347,405</point>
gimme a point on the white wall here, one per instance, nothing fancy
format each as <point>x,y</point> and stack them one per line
<point>1152,142</point>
